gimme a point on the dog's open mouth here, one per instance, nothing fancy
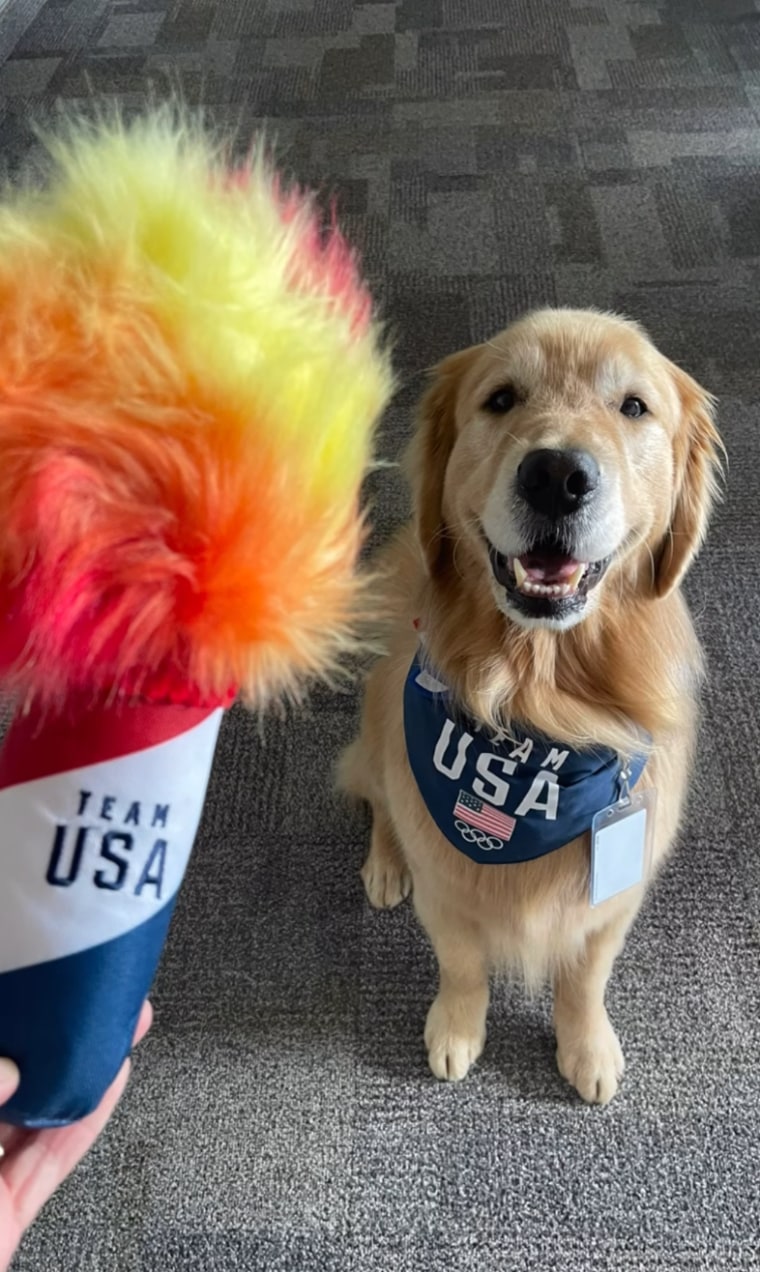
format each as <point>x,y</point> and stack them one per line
<point>546,581</point>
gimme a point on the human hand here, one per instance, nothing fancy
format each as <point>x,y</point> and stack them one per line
<point>35,1163</point>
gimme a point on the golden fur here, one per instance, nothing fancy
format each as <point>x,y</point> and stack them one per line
<point>633,659</point>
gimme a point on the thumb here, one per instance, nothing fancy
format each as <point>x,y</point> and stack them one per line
<point>9,1079</point>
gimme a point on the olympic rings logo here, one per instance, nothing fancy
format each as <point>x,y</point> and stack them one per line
<point>470,834</point>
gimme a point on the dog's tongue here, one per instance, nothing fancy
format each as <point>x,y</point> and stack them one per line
<point>548,567</point>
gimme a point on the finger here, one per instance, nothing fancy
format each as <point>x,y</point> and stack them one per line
<point>9,1078</point>
<point>38,1166</point>
<point>144,1022</point>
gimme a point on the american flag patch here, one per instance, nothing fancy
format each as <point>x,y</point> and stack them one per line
<point>476,812</point>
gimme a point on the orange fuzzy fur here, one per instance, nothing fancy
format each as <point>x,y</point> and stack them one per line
<point>184,424</point>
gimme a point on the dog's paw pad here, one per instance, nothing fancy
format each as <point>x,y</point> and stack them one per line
<point>452,1049</point>
<point>385,884</point>
<point>593,1065</point>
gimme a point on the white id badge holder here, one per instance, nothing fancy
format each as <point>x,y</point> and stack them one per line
<point>621,842</point>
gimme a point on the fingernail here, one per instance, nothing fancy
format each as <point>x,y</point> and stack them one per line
<point>9,1075</point>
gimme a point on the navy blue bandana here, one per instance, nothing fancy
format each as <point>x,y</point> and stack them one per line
<point>502,800</point>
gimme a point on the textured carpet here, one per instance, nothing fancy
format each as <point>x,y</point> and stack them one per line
<point>488,155</point>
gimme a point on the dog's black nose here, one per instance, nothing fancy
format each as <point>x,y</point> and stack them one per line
<point>557,482</point>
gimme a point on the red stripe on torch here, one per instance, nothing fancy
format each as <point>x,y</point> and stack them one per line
<point>39,743</point>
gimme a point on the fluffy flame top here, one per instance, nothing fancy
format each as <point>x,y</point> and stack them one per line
<point>189,380</point>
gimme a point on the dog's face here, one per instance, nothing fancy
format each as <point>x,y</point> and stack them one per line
<point>560,453</point>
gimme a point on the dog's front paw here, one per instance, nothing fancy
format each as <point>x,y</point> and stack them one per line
<point>386,882</point>
<point>453,1044</point>
<point>592,1062</point>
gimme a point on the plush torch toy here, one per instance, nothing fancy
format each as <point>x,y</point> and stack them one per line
<point>189,380</point>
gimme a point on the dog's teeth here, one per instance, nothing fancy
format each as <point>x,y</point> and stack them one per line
<point>576,576</point>
<point>530,588</point>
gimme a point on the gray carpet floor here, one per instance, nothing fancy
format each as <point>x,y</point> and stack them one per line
<point>488,155</point>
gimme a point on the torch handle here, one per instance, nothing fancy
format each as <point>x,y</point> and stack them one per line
<point>99,808</point>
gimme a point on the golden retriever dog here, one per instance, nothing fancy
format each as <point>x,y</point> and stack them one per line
<point>562,477</point>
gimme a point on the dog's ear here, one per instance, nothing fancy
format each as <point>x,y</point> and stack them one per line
<point>697,463</point>
<point>428,455</point>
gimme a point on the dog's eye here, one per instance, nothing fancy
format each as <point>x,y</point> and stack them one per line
<point>634,408</point>
<point>501,401</point>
